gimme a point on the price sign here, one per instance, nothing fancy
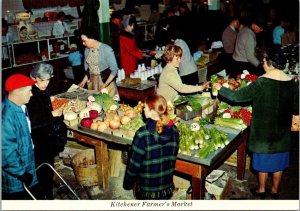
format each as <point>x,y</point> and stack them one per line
<point>195,126</point>
<point>70,134</point>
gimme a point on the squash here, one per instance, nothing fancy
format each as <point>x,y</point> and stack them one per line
<point>70,115</point>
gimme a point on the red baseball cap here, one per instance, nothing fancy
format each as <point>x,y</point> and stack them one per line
<point>17,81</point>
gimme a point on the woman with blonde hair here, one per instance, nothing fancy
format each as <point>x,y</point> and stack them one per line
<point>152,158</point>
<point>170,84</point>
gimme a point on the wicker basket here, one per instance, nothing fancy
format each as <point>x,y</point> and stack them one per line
<point>85,168</point>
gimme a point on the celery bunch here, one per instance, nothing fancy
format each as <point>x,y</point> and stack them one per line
<point>234,123</point>
<point>191,140</point>
<point>218,139</point>
<point>214,79</point>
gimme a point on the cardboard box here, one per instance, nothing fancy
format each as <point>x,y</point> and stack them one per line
<point>71,149</point>
<point>202,74</point>
<point>180,112</point>
<point>232,160</point>
<point>181,183</point>
<point>216,183</point>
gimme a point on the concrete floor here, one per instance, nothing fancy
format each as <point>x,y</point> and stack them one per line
<point>235,189</point>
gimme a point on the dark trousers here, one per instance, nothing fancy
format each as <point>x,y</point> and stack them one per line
<point>191,79</point>
<point>44,174</point>
<point>227,61</point>
<point>23,195</point>
<point>238,68</point>
<point>79,73</point>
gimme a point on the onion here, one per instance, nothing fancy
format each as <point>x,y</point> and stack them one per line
<point>116,117</point>
<point>114,124</point>
<point>94,126</point>
<point>131,113</point>
<point>125,120</point>
<point>102,126</point>
<point>106,121</point>
<point>86,122</point>
<point>93,114</point>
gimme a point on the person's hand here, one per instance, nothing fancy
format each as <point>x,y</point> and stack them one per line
<point>83,82</point>
<point>26,178</point>
<point>102,87</point>
<point>57,112</point>
<point>206,85</point>
<point>52,98</point>
<point>217,86</point>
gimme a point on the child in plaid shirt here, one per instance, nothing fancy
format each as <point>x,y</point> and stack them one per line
<point>152,158</point>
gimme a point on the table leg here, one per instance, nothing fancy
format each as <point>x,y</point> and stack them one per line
<point>101,155</point>
<point>198,183</point>
<point>241,157</point>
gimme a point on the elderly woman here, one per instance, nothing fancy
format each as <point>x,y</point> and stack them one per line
<point>170,83</point>
<point>42,117</point>
<point>274,97</point>
<point>100,61</point>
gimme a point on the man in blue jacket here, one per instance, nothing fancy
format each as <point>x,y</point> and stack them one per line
<point>18,165</point>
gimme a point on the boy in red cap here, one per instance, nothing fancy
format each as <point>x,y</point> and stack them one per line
<point>18,165</point>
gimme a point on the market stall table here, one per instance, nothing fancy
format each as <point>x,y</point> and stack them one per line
<point>197,168</point>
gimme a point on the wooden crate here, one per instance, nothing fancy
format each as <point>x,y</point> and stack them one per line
<point>232,160</point>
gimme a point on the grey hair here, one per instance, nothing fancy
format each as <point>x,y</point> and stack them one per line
<point>42,71</point>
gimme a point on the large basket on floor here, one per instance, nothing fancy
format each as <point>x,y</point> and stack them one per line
<point>85,168</point>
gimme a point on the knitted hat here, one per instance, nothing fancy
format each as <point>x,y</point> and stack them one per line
<point>17,81</point>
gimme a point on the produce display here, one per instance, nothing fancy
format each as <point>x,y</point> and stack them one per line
<point>105,101</point>
<point>198,137</point>
<point>58,102</point>
<point>196,140</point>
<point>236,117</point>
<point>191,106</point>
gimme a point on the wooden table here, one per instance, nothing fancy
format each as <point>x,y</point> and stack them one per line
<point>199,171</point>
<point>197,168</point>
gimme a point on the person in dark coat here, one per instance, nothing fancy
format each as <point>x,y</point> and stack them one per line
<point>115,27</point>
<point>275,98</point>
<point>42,117</point>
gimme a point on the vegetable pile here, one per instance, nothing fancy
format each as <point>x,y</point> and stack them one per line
<point>105,101</point>
<point>193,137</point>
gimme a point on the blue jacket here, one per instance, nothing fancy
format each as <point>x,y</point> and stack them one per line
<point>17,149</point>
<point>107,59</point>
<point>75,58</point>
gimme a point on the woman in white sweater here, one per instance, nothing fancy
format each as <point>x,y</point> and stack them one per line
<point>170,84</point>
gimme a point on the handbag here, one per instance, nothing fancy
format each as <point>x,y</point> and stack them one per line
<point>58,136</point>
